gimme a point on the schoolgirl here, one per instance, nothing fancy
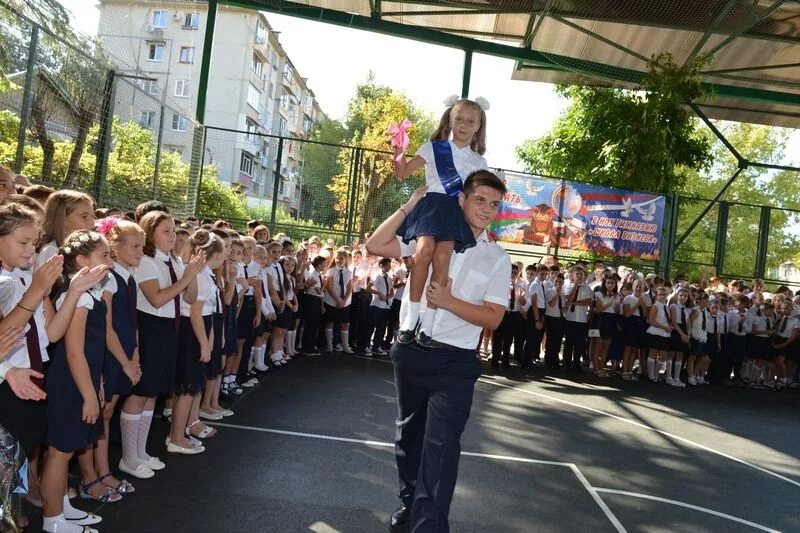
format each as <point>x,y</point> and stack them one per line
<point>264,260</point>
<point>698,323</point>
<point>576,328</point>
<point>199,351</point>
<point>607,306</point>
<point>679,345</point>
<point>249,319</point>
<point>784,341</point>
<point>121,369</point>
<point>24,306</point>
<point>737,338</point>
<point>554,322</point>
<point>163,281</point>
<point>760,350</point>
<point>232,307</point>
<point>74,391</point>
<point>302,266</point>
<point>289,322</point>
<point>714,342</point>
<point>635,312</point>
<point>277,289</point>
<point>658,335</point>
<point>65,211</point>
<point>312,311</point>
<point>437,223</point>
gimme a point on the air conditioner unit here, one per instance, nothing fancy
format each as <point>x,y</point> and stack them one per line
<point>148,28</point>
<point>158,33</point>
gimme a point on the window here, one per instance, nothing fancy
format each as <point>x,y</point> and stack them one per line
<point>146,118</point>
<point>187,55</point>
<point>281,126</point>
<point>159,19</point>
<point>253,96</point>
<point>246,163</point>
<point>256,65</point>
<point>261,33</point>
<point>287,71</point>
<point>155,50</point>
<point>191,21</point>
<point>282,187</point>
<point>178,122</point>
<point>182,88</point>
<point>252,128</point>
<point>150,86</point>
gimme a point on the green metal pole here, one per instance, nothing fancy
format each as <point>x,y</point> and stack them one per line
<point>673,232</point>
<point>763,240</point>
<point>722,235</point>
<point>278,159</point>
<point>27,97</point>
<point>467,73</point>
<point>706,209</point>
<point>104,136</point>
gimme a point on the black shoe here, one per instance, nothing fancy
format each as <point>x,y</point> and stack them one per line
<point>405,337</point>
<point>399,521</point>
<point>423,339</point>
<point>495,364</point>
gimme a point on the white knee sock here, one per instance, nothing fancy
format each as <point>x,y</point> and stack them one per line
<point>427,321</point>
<point>144,430</point>
<point>411,318</point>
<point>651,366</point>
<point>660,367</point>
<point>669,369</point>
<point>676,368</point>
<point>329,339</point>
<point>345,339</point>
<point>129,427</point>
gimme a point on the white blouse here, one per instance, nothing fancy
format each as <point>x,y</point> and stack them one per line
<point>156,268</point>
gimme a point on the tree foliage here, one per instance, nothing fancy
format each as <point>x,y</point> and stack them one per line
<point>320,165</point>
<point>377,191</point>
<point>641,140</point>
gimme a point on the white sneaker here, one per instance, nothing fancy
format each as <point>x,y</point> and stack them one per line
<point>337,348</point>
<point>381,351</point>
<point>367,351</point>
<point>669,381</point>
<point>692,381</point>
<point>142,471</point>
<point>679,383</point>
<point>703,381</point>
<point>347,350</point>
<point>249,384</point>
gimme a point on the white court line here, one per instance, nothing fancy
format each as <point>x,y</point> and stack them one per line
<point>645,426</point>
<point>592,491</point>
<point>688,506</point>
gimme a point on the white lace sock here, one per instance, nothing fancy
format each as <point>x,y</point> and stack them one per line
<point>129,427</point>
<point>144,432</point>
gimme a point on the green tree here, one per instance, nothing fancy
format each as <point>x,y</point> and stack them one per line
<point>369,114</point>
<point>320,165</point>
<point>633,139</point>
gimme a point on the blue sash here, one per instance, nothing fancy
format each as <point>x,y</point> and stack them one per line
<point>446,167</point>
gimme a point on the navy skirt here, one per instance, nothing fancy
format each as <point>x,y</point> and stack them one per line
<point>214,367</point>
<point>439,216</point>
<point>633,332</point>
<point>158,349</point>
<point>190,372</point>
<point>229,346</point>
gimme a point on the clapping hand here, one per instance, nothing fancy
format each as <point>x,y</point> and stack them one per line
<point>87,278</point>
<point>47,274</point>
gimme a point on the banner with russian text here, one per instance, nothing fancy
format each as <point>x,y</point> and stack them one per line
<point>579,217</point>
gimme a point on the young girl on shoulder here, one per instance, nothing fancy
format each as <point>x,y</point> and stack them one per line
<point>65,211</point>
<point>658,334</point>
<point>437,222</point>
<point>74,420</point>
<point>162,280</point>
<point>121,369</point>
<point>199,354</point>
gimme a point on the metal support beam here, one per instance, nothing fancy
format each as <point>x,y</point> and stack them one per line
<point>765,14</point>
<point>714,25</point>
<point>205,62</point>
<point>276,182</point>
<point>763,240</point>
<point>722,237</point>
<point>719,135</point>
<point>467,73</point>
<point>375,8</point>
<point>526,55</point>
<point>746,69</point>
<point>593,35</point>
<point>674,204</point>
<point>104,136</point>
<point>27,98</point>
<point>707,208</point>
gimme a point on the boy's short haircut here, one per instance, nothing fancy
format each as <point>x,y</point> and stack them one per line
<point>386,261</point>
<point>480,178</point>
<point>318,261</point>
<point>542,268</point>
<point>530,268</point>
<point>237,242</point>
<point>181,231</point>
<point>555,268</point>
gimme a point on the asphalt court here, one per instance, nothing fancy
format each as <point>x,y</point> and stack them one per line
<point>311,450</point>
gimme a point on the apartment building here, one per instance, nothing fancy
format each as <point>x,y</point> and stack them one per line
<point>253,89</point>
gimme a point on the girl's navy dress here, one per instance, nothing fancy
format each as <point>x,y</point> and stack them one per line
<point>123,312</point>
<point>65,429</point>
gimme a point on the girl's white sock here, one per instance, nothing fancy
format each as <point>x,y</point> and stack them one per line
<point>411,318</point>
<point>144,431</point>
<point>329,339</point>
<point>129,427</point>
<point>669,368</point>
<point>660,367</point>
<point>676,368</point>
<point>651,366</point>
<point>427,321</point>
<point>345,339</point>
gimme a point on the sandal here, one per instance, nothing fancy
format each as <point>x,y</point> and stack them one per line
<point>124,486</point>
<point>206,433</point>
<point>109,496</point>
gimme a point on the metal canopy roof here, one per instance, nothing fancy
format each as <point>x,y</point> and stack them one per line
<point>755,71</point>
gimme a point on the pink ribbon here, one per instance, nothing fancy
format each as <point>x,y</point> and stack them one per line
<point>399,133</point>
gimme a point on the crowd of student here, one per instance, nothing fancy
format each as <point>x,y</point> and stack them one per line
<point>135,307</point>
<point>622,322</point>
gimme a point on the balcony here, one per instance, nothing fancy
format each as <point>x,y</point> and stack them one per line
<point>256,80</point>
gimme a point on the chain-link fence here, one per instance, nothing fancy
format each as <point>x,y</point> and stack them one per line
<point>70,119</point>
